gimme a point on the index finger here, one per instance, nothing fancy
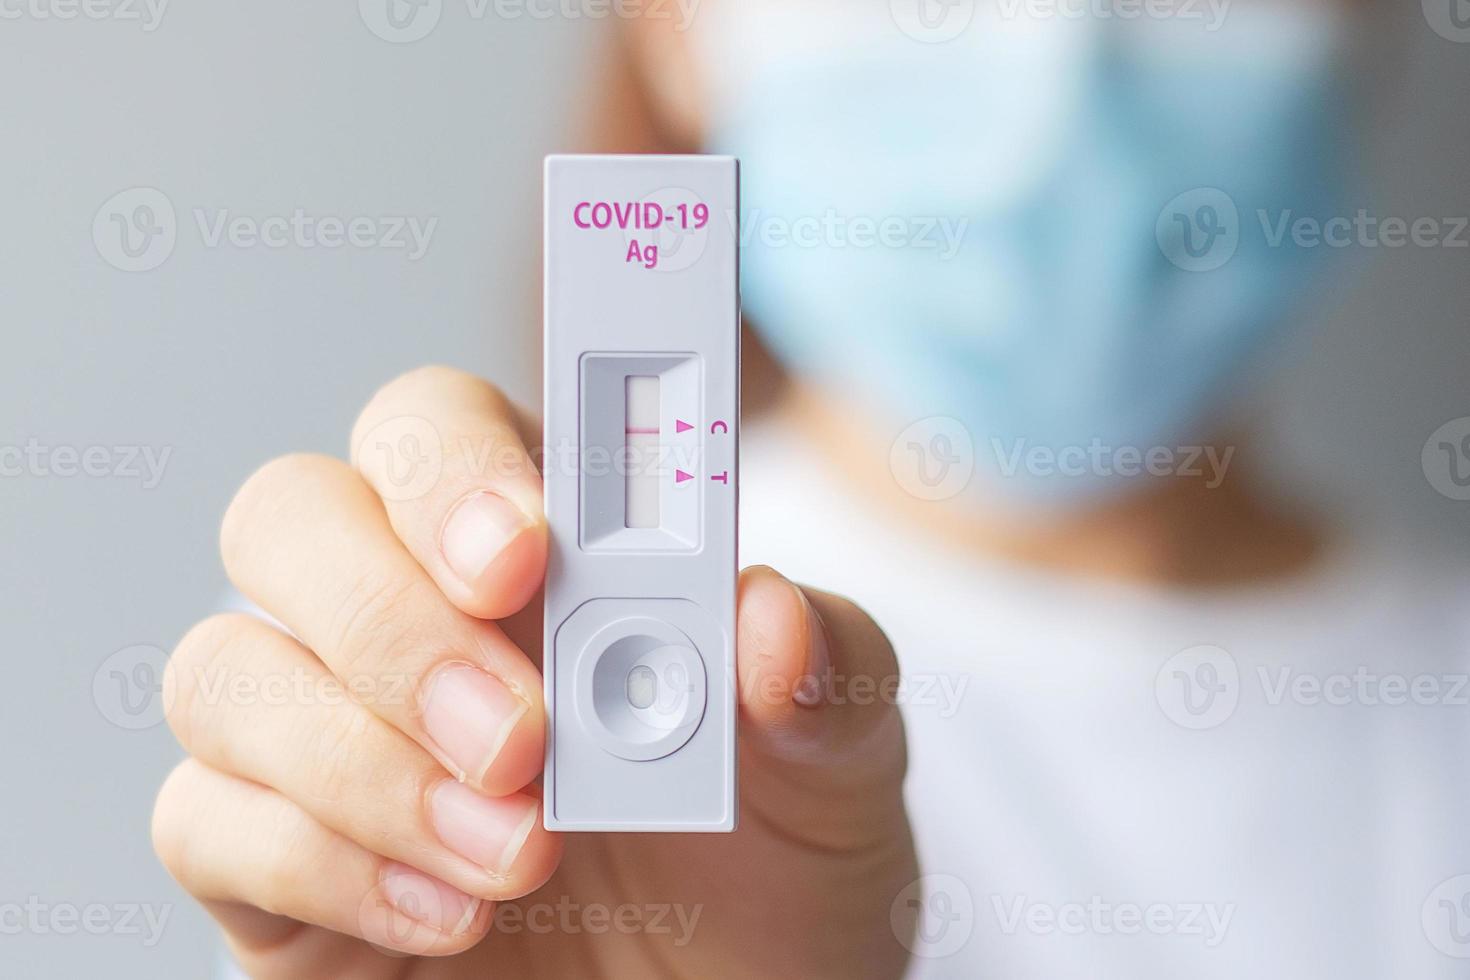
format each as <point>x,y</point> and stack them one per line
<point>444,451</point>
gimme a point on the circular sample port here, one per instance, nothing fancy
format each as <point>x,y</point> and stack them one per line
<point>641,688</point>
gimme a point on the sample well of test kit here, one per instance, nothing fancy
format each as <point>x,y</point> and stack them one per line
<point>642,417</point>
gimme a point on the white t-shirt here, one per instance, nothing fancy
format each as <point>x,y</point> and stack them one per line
<point>1112,781</point>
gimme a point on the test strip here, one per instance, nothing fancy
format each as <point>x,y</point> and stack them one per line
<point>641,458</point>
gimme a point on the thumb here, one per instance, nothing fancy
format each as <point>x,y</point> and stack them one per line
<point>822,746</point>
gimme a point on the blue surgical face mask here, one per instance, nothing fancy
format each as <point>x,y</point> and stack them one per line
<point>1061,233</point>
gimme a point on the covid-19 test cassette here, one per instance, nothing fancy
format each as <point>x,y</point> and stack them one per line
<point>642,382</point>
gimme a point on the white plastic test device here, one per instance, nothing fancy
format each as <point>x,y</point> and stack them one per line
<point>642,381</point>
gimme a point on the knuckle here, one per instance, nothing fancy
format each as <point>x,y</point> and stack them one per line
<point>293,869</point>
<point>332,749</point>
<point>379,622</point>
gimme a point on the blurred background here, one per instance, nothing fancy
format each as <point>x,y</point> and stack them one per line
<point>133,403</point>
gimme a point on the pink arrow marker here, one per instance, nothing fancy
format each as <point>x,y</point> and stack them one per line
<point>681,426</point>
<point>680,476</point>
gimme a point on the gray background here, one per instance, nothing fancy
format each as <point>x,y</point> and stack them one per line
<point>227,356</point>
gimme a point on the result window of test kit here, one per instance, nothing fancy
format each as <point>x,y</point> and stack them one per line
<point>642,393</point>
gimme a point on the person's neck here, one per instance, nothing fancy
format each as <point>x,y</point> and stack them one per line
<point>1175,531</point>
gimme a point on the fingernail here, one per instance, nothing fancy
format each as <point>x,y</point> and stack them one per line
<point>477,531</point>
<point>489,832</point>
<point>469,714</point>
<point>428,900</point>
<point>811,689</point>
